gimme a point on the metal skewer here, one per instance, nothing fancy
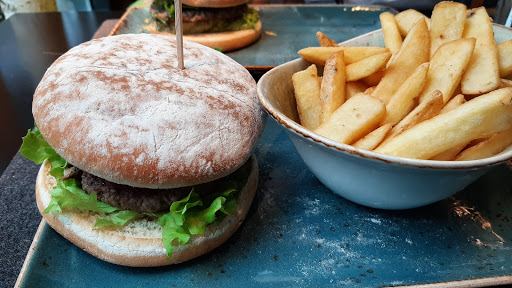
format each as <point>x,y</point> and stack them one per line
<point>179,32</point>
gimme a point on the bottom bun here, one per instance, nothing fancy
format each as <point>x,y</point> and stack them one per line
<point>139,244</point>
<point>227,41</point>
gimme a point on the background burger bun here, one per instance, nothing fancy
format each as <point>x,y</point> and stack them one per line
<point>214,3</point>
<point>120,108</point>
<point>139,244</point>
<point>227,41</point>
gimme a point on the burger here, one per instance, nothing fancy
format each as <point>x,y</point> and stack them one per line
<point>222,24</point>
<point>145,164</point>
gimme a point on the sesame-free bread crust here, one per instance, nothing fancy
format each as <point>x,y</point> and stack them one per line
<point>139,244</point>
<point>120,108</point>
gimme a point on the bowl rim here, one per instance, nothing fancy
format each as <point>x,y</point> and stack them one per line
<point>310,135</point>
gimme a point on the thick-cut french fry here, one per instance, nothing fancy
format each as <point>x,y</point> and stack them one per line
<point>353,120</point>
<point>481,117</point>
<point>352,88</point>
<point>458,91</point>
<point>375,78</point>
<point>325,41</point>
<point>366,96</point>
<point>373,139</point>
<point>332,91</point>
<point>451,153</point>
<point>448,19</point>
<point>490,147</point>
<point>505,83</point>
<point>367,66</point>
<point>392,36</point>
<point>505,58</point>
<point>453,103</point>
<point>414,52</point>
<point>369,91</point>
<point>424,111</point>
<point>476,141</point>
<point>508,149</point>
<point>307,94</point>
<point>406,19</point>
<point>318,55</point>
<point>447,66</point>
<point>403,100</point>
<point>356,54</point>
<point>482,74</point>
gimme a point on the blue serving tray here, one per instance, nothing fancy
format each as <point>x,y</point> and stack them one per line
<point>286,29</point>
<point>300,234</point>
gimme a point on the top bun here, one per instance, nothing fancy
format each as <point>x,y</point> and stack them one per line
<point>119,108</point>
<point>214,3</point>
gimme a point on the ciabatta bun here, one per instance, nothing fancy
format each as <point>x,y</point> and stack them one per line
<point>140,243</point>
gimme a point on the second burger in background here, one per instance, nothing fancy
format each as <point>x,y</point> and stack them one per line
<point>223,24</point>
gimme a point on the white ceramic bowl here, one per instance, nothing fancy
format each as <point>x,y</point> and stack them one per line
<point>366,177</point>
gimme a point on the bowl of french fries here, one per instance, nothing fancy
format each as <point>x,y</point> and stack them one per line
<point>404,116</point>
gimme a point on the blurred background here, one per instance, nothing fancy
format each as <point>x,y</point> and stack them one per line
<point>55,33</point>
<point>9,7</point>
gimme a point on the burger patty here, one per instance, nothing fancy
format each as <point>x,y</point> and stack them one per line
<point>146,200</point>
<point>131,198</point>
<point>194,14</point>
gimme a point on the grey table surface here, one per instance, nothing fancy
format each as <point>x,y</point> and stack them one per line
<point>19,216</point>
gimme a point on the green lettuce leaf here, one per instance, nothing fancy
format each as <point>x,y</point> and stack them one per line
<point>182,206</point>
<point>185,218</point>
<point>198,219</point>
<point>189,216</point>
<point>229,206</point>
<point>172,231</point>
<point>120,218</point>
<point>169,6</point>
<point>68,195</point>
<point>36,149</point>
<point>247,21</point>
